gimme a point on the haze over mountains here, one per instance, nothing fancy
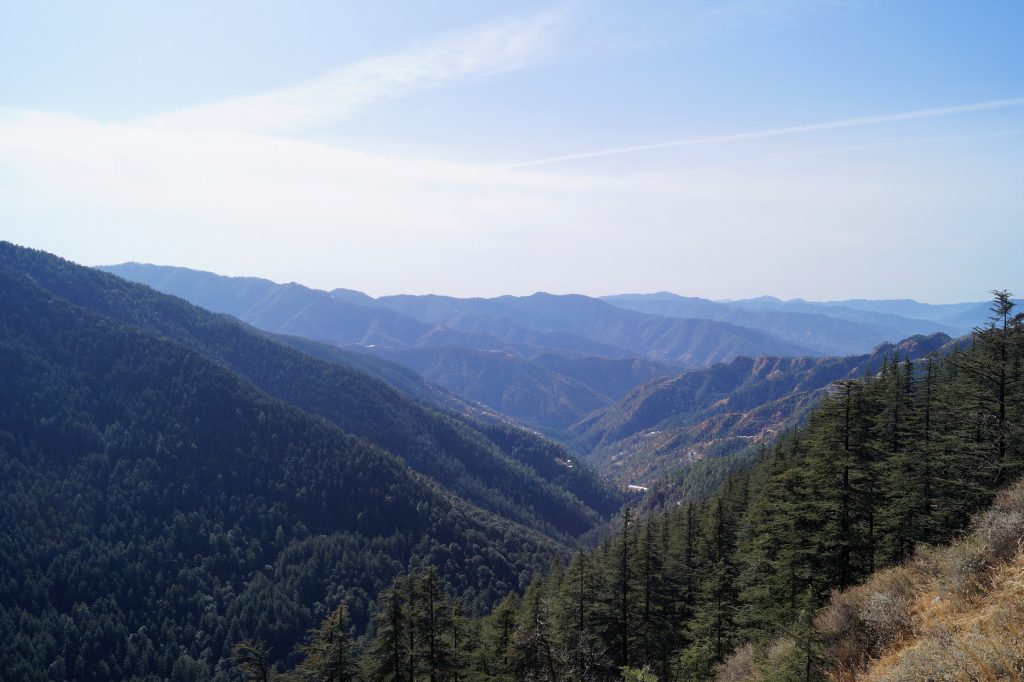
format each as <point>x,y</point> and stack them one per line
<point>829,328</point>
<point>552,361</point>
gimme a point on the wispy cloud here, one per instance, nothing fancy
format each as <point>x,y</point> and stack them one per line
<point>935,112</point>
<point>483,51</point>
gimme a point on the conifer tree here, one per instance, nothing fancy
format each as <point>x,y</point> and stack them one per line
<point>992,369</point>
<point>585,654</point>
<point>387,655</point>
<point>652,645</point>
<point>252,659</point>
<point>329,651</point>
<point>495,658</point>
<point>430,618</point>
<point>537,652</point>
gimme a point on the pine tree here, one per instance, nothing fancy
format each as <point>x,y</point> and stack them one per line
<point>992,369</point>
<point>894,436</point>
<point>430,618</point>
<point>495,656</point>
<point>652,635</point>
<point>387,655</point>
<point>585,654</point>
<point>329,651</point>
<point>252,659</point>
<point>537,654</point>
<point>618,605</point>
<point>839,469</point>
<point>713,630</point>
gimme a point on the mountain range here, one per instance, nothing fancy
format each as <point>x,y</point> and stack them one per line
<point>526,326</point>
<point>202,475</point>
<point>831,328</point>
<point>549,361</point>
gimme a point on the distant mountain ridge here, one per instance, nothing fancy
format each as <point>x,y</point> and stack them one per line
<point>831,328</point>
<point>525,326</point>
<point>583,370</point>
<point>686,342</point>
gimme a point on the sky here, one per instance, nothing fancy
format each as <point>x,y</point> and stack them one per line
<point>826,150</point>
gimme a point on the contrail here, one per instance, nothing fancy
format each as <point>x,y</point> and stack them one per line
<point>935,112</point>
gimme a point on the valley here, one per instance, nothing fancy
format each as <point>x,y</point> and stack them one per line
<point>290,456</point>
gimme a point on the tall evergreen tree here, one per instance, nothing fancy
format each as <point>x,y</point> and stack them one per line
<point>431,621</point>
<point>252,659</point>
<point>329,651</point>
<point>387,655</point>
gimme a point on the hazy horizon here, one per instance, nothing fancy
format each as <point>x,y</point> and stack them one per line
<point>727,150</point>
<point>984,297</point>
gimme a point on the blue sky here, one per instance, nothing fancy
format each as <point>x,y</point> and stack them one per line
<point>722,149</point>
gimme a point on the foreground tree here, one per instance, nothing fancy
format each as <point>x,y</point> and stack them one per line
<point>329,651</point>
<point>252,659</point>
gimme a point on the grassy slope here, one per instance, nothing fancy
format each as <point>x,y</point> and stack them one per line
<point>954,612</point>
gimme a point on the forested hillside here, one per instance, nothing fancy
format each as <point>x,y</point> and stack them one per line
<point>673,422</point>
<point>886,464</point>
<point>442,445</point>
<point>550,391</point>
<point>164,494</point>
<point>686,342</point>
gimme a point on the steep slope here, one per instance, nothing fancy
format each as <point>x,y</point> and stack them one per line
<point>815,328</point>
<point>399,376</point>
<point>440,445</point>
<point>954,612</point>
<point>670,422</point>
<point>550,391</point>
<point>155,507</point>
<point>687,342</point>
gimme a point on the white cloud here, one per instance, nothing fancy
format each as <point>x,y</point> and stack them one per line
<point>244,203</point>
<point>483,51</point>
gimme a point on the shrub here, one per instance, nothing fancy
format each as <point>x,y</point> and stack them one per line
<point>740,667</point>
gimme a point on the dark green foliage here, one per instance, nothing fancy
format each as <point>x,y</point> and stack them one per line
<point>156,508</point>
<point>387,658</point>
<point>441,445</point>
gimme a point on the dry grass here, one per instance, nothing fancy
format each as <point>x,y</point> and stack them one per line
<point>980,637</point>
<point>952,613</point>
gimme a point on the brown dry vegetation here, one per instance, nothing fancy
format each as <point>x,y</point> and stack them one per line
<point>952,613</point>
